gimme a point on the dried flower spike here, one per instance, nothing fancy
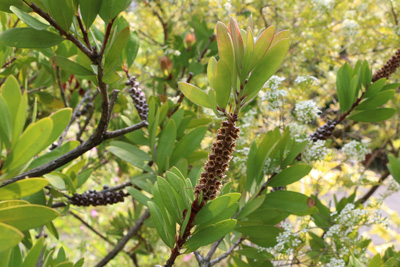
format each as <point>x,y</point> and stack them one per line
<point>389,68</point>
<point>218,160</point>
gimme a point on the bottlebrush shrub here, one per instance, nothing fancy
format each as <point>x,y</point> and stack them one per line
<point>238,206</point>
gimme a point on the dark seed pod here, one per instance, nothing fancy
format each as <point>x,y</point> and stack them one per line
<point>139,98</point>
<point>389,68</point>
<point>92,197</point>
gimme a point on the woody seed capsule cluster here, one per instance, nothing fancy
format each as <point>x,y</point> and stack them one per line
<point>139,98</point>
<point>389,68</point>
<point>94,198</point>
<point>218,160</point>
<point>323,132</point>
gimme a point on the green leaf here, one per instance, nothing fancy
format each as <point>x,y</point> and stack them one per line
<point>279,36</point>
<point>394,168</point>
<point>60,119</point>
<point>131,154</point>
<point>31,142</point>
<point>237,41</point>
<point>28,19</point>
<point>375,88</point>
<point>251,206</point>
<point>114,53</point>
<point>10,203</point>
<point>376,261</point>
<point>225,45</point>
<point>29,38</point>
<point>6,123</point>
<point>209,234</point>
<point>12,96</point>
<point>59,151</point>
<point>168,198</point>
<point>10,237</point>
<point>215,207</point>
<point>62,11</point>
<point>212,63</point>
<point>268,65</point>
<point>267,216</point>
<point>262,45</point>
<point>376,100</point>
<point>5,5</point>
<point>165,146</point>
<point>188,144</point>
<point>89,10</point>
<point>296,149</point>
<point>248,57</point>
<point>290,175</point>
<point>111,8</point>
<point>375,115</point>
<point>222,83</point>
<point>289,201</point>
<point>132,48</point>
<point>71,66</point>
<point>194,94</point>
<point>22,188</point>
<point>158,222</point>
<point>34,253</point>
<point>268,232</point>
<point>25,217</point>
<point>139,196</point>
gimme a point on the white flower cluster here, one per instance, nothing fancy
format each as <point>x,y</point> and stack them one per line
<point>172,52</point>
<point>393,185</point>
<point>323,4</point>
<point>335,263</point>
<point>306,111</point>
<point>298,131</point>
<point>350,27</point>
<point>306,78</point>
<point>271,166</point>
<point>274,82</point>
<point>314,151</point>
<point>288,241</point>
<point>273,95</point>
<point>355,150</point>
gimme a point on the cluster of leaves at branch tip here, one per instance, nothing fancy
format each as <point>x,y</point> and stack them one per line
<point>94,198</point>
<point>245,64</point>
<point>389,68</point>
<point>139,98</point>
<point>218,160</point>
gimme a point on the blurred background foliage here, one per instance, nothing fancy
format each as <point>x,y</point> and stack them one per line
<point>324,34</point>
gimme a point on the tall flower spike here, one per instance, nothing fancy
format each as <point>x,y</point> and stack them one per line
<point>218,160</point>
<point>389,68</point>
<point>139,98</point>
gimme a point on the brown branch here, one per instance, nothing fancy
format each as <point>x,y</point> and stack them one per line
<point>121,244</point>
<point>107,36</point>
<point>68,36</point>
<point>226,254</point>
<point>91,228</point>
<point>372,190</point>
<point>83,30</point>
<point>8,63</point>
<point>61,87</point>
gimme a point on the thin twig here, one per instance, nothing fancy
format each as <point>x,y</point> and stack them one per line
<point>121,244</point>
<point>83,30</point>
<point>73,117</point>
<point>58,72</point>
<point>226,254</point>
<point>9,62</point>
<point>372,190</point>
<point>107,36</point>
<point>91,228</point>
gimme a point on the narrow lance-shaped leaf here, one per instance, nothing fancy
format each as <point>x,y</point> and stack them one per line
<point>29,38</point>
<point>70,66</point>
<point>262,45</point>
<point>62,11</point>
<point>194,94</point>
<point>374,115</point>
<point>22,188</point>
<point>237,44</point>
<point>9,237</point>
<point>266,68</point>
<point>225,45</point>
<point>222,84</point>
<point>89,10</point>
<point>28,19</point>
<point>212,63</point>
